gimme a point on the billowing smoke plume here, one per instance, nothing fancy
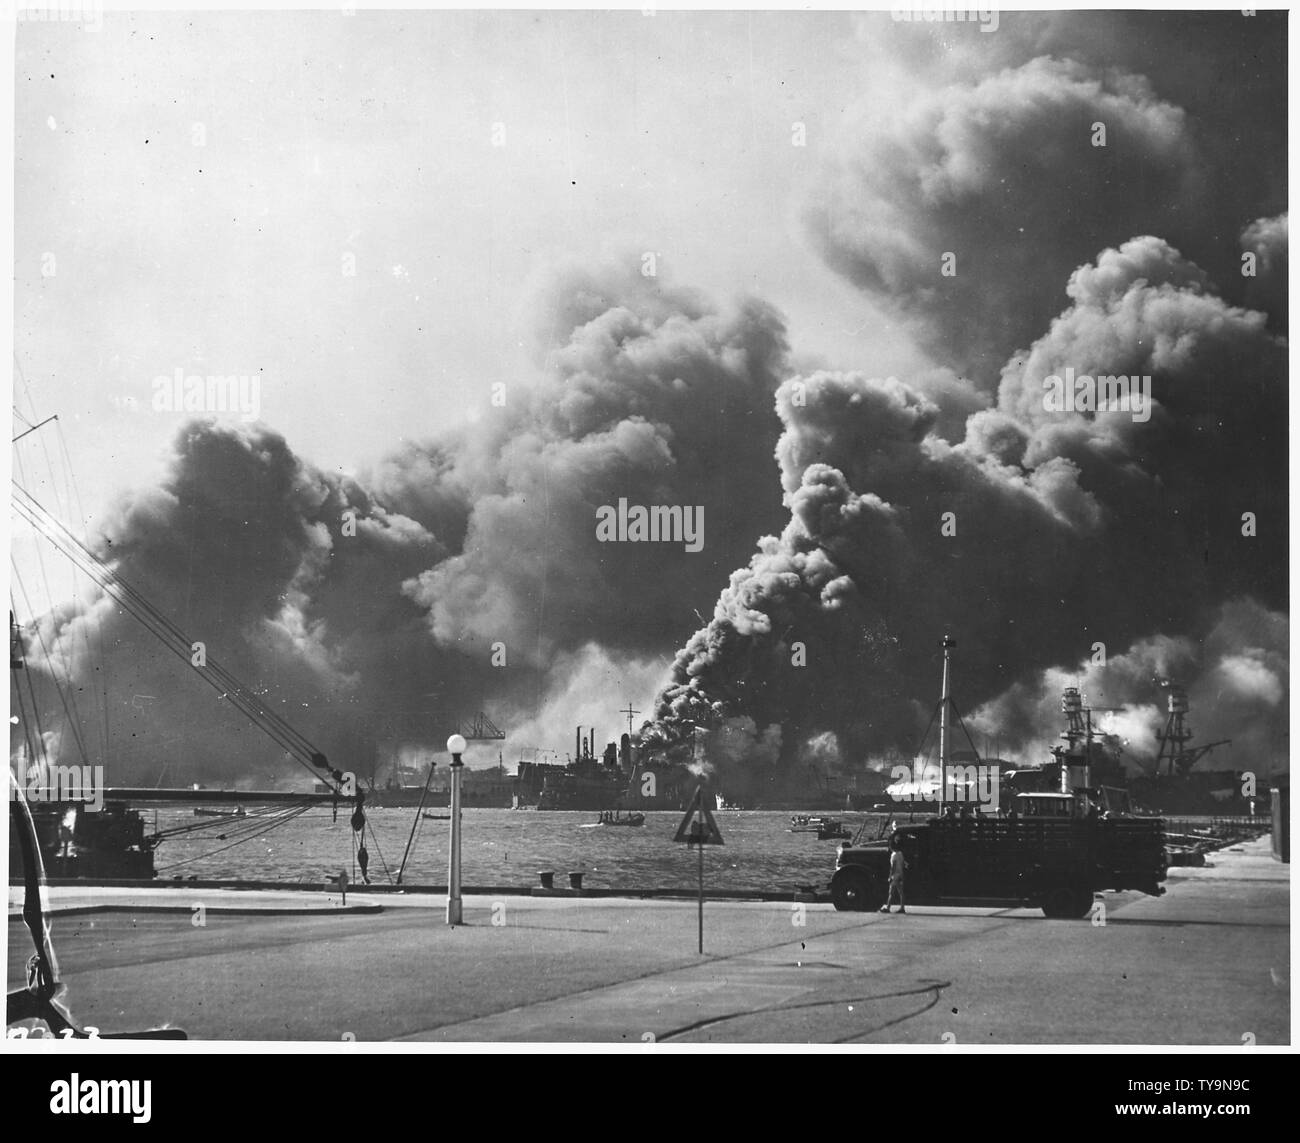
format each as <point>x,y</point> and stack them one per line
<point>652,398</point>
<point>1096,191</point>
<point>952,214</point>
<point>1025,152</point>
<point>1037,534</point>
<point>463,573</point>
<point>270,565</point>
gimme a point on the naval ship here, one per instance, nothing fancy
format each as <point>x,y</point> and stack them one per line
<point>617,779</point>
<point>1091,758</point>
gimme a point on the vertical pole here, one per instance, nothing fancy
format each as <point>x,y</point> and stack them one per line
<point>453,862</point>
<point>428,781</point>
<point>701,911</point>
<point>943,730</point>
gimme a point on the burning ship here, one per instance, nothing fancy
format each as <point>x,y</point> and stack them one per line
<point>622,777</point>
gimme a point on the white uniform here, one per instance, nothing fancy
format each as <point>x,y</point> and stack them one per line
<point>896,866</point>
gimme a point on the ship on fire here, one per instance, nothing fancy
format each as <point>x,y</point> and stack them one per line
<point>622,777</point>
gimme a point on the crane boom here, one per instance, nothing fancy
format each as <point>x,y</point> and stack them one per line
<point>176,640</point>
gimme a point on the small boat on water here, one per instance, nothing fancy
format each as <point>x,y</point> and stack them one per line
<point>826,829</point>
<point>802,823</point>
<point>204,812</point>
<point>436,817</point>
<point>618,818</point>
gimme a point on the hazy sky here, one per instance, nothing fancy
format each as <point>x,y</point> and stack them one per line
<point>324,134</point>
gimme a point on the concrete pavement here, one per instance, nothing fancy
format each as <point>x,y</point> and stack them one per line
<point>1206,964</point>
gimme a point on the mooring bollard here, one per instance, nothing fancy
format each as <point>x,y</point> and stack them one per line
<point>575,880</point>
<point>548,878</point>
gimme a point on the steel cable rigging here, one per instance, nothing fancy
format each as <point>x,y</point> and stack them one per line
<point>176,641</point>
<point>294,743</point>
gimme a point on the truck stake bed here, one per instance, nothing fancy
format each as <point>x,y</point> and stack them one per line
<point>1056,864</point>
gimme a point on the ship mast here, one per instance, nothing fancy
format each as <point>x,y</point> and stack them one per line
<point>629,712</point>
<point>944,701</point>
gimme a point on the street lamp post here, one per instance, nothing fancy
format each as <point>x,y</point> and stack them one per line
<point>455,747</point>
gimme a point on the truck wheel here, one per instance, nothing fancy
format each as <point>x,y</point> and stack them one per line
<point>856,891</point>
<point>1067,902</point>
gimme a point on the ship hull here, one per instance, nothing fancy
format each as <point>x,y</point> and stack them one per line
<point>76,843</point>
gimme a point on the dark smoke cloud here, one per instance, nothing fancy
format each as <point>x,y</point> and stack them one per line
<point>1001,174</point>
<point>1071,528</point>
<point>981,145</point>
<point>366,611</point>
<point>1266,238</point>
<point>650,396</point>
<point>243,548</point>
<point>1234,669</point>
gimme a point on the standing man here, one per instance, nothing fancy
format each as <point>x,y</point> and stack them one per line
<point>896,868</point>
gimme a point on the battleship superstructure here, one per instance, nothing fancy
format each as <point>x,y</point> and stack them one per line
<point>1092,758</point>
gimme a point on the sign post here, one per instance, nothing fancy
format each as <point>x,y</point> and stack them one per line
<point>699,828</point>
<point>700,911</point>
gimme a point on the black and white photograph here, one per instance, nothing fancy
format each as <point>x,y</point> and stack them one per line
<point>639,527</point>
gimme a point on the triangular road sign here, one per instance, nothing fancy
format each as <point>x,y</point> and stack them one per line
<point>698,826</point>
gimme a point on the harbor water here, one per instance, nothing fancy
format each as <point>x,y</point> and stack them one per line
<point>502,848</point>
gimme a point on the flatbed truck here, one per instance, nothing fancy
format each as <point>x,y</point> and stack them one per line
<point>1053,852</point>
